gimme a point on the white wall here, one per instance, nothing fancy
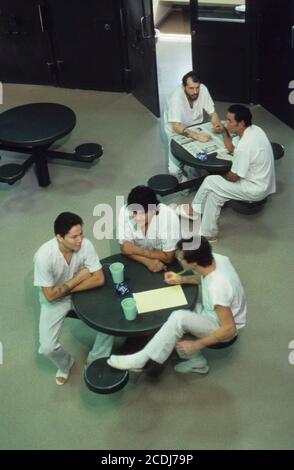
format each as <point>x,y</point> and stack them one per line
<point>159,11</point>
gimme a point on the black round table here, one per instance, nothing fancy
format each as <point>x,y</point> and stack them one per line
<point>35,127</point>
<point>101,308</point>
<point>213,165</point>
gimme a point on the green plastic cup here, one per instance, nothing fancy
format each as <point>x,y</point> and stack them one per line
<point>129,307</point>
<point>117,272</point>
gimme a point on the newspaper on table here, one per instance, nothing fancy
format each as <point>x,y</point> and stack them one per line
<point>214,146</point>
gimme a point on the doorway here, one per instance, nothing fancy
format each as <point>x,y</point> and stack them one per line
<point>173,44</point>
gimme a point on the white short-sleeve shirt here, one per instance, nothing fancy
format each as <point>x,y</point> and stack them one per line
<point>254,162</point>
<point>223,287</point>
<point>51,268</point>
<point>178,109</point>
<point>163,231</point>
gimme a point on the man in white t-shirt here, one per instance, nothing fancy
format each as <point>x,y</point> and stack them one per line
<point>185,108</point>
<point>252,176</point>
<point>148,231</point>
<point>68,263</point>
<point>217,320</point>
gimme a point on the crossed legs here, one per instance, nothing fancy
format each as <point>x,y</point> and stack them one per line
<point>164,341</point>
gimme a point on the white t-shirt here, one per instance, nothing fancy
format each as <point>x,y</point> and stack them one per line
<point>51,268</point>
<point>223,287</point>
<point>163,231</point>
<point>254,162</point>
<point>178,109</point>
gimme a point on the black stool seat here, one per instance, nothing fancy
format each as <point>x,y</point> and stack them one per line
<point>11,172</point>
<point>163,184</point>
<point>247,207</point>
<point>71,314</point>
<point>101,378</point>
<point>88,152</point>
<point>278,150</point>
<point>223,345</point>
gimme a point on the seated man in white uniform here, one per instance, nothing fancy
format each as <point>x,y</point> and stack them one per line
<point>185,108</point>
<point>68,263</point>
<point>148,231</point>
<point>252,176</point>
<point>216,320</point>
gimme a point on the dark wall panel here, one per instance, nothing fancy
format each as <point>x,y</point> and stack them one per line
<point>68,43</point>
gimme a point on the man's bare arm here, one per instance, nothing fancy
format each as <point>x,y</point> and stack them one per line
<point>61,290</point>
<point>214,119</point>
<point>225,332</point>
<point>233,177</point>
<point>154,265</point>
<point>200,136</point>
<point>228,140</point>
<point>175,279</point>
<point>97,279</point>
<point>129,248</point>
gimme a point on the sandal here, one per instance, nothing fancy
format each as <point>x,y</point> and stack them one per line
<point>62,377</point>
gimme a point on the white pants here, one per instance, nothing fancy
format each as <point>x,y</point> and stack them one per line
<point>51,320</point>
<point>214,192</point>
<point>176,168</point>
<point>180,322</point>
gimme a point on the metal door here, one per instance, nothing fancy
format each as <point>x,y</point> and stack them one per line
<point>277,58</point>
<point>25,50</point>
<point>86,37</point>
<point>222,48</point>
<point>141,54</point>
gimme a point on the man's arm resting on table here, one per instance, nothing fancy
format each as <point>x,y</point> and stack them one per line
<point>232,177</point>
<point>84,280</point>
<point>97,279</point>
<point>154,265</point>
<point>180,129</point>
<point>174,279</point>
<point>225,332</point>
<point>129,248</point>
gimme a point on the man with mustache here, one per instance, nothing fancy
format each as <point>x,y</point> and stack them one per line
<point>185,108</point>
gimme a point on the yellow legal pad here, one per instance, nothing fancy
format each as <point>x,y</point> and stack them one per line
<point>158,299</point>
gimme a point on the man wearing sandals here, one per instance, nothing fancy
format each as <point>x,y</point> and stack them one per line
<point>68,263</point>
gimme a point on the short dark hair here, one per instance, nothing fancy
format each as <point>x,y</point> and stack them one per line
<point>193,75</point>
<point>143,196</point>
<point>242,113</point>
<point>201,254</point>
<point>65,221</point>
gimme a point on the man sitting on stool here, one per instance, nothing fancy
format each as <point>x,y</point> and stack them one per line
<point>216,320</point>
<point>185,108</point>
<point>148,231</point>
<point>66,264</point>
<point>252,176</point>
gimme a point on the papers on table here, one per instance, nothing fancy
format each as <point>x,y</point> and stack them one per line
<point>224,155</point>
<point>159,299</point>
<point>215,145</point>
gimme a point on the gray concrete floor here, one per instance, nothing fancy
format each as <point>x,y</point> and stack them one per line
<point>245,402</point>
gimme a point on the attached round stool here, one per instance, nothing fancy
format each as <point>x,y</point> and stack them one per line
<point>247,207</point>
<point>224,345</point>
<point>88,152</point>
<point>101,378</point>
<point>163,184</point>
<point>11,172</point>
<point>278,150</point>
<point>71,314</point>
